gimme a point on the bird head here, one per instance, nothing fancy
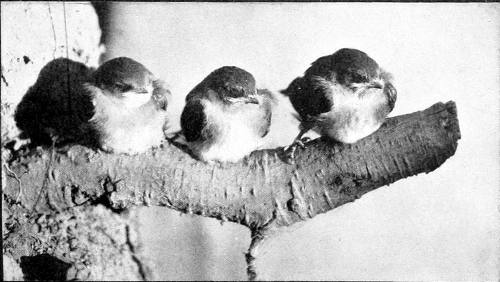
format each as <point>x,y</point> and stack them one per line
<point>231,85</point>
<point>355,70</point>
<point>125,79</point>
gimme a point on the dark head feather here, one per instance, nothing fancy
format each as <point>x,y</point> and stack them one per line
<point>122,74</point>
<point>227,81</point>
<point>347,65</point>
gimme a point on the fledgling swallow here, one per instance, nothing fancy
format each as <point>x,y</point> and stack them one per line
<point>129,106</point>
<point>344,96</point>
<point>225,117</point>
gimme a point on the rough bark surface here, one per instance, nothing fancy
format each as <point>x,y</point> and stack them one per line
<point>254,192</point>
<point>71,187</point>
<point>261,192</point>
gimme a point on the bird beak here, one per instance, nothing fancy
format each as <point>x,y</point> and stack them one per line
<point>376,84</point>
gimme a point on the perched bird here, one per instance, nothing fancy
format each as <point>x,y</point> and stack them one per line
<point>344,96</point>
<point>225,116</point>
<point>119,107</point>
<point>129,106</point>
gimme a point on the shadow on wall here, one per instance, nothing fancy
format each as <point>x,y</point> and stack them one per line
<point>57,108</point>
<point>44,267</point>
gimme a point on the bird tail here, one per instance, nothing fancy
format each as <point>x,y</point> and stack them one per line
<point>293,87</point>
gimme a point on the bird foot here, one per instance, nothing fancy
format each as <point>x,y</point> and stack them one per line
<point>174,136</point>
<point>178,140</point>
<point>289,150</point>
<point>303,141</point>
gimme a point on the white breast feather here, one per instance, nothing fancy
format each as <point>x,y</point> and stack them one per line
<point>127,129</point>
<point>238,137</point>
<point>353,116</point>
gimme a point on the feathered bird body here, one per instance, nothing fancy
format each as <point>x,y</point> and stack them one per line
<point>119,107</point>
<point>344,96</point>
<point>130,106</point>
<point>226,117</point>
<point>124,127</point>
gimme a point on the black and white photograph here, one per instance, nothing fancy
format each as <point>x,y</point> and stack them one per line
<point>250,141</point>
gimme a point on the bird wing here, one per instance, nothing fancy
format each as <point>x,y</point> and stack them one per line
<point>193,121</point>
<point>312,98</point>
<point>392,95</point>
<point>389,90</point>
<point>267,106</point>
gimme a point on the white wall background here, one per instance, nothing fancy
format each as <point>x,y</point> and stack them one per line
<point>440,226</point>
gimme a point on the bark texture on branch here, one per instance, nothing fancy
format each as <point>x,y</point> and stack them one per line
<point>254,192</point>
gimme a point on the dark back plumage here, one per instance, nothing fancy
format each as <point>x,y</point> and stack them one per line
<point>193,120</point>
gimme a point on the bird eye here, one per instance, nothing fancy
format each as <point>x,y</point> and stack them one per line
<point>123,87</point>
<point>141,90</point>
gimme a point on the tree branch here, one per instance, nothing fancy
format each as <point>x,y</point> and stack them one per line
<point>254,192</point>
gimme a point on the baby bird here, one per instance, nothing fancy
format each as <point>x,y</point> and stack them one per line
<point>129,106</point>
<point>225,117</point>
<point>344,96</point>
